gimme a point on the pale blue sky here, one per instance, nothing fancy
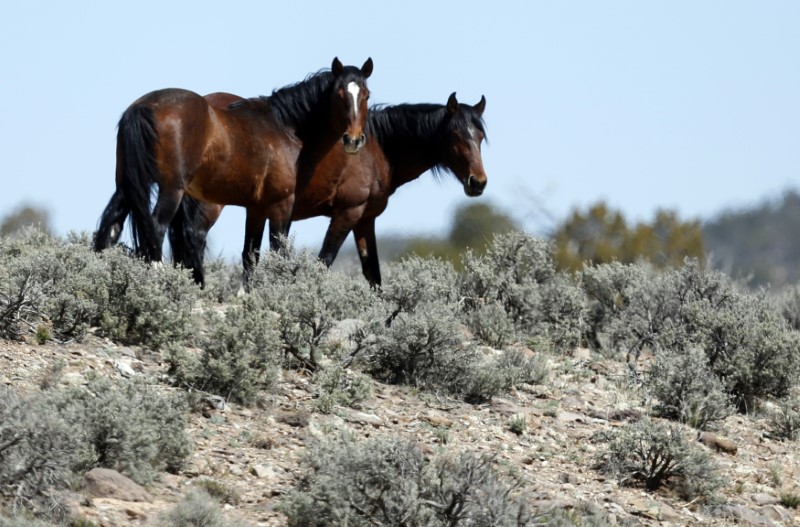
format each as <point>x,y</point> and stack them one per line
<point>693,106</point>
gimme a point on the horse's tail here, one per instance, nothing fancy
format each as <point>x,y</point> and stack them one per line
<point>111,222</point>
<point>136,161</point>
<point>187,236</point>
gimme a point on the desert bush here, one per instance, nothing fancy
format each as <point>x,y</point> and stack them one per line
<point>196,509</point>
<point>581,515</point>
<point>746,341</point>
<point>414,281</point>
<point>308,300</point>
<point>72,288</point>
<point>223,281</point>
<point>23,519</point>
<point>652,454</point>
<point>788,303</point>
<point>517,275</point>
<point>43,278</point>
<point>218,490</point>
<point>686,389</point>
<point>127,426</point>
<point>424,348</point>
<point>38,447</point>
<point>389,482</point>
<point>501,373</point>
<point>784,421</point>
<point>241,353</point>
<point>148,305</point>
<point>608,289</point>
<point>518,368</point>
<point>48,438</point>
<point>340,386</point>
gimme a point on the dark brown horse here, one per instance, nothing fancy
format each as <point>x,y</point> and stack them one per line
<point>228,150</point>
<point>405,141</point>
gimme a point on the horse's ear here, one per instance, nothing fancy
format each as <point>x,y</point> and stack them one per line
<point>481,106</point>
<point>366,69</point>
<point>337,67</point>
<point>452,103</point>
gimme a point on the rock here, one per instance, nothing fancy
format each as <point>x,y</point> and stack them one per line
<point>214,401</point>
<point>764,499</point>
<point>570,417</point>
<point>124,368</point>
<point>262,472</point>
<point>297,419</point>
<point>364,419</point>
<point>437,420</point>
<point>718,443</point>
<point>774,513</point>
<point>743,515</point>
<point>107,483</point>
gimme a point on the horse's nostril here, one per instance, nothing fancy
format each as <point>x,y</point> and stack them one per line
<point>346,139</point>
<point>362,139</point>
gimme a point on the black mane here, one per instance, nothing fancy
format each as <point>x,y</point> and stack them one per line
<point>299,105</point>
<point>424,125</point>
<point>293,104</point>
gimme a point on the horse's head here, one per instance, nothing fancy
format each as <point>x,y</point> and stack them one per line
<point>464,134</point>
<point>349,97</point>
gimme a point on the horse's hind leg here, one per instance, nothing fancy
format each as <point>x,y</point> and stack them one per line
<point>111,222</point>
<point>165,209</point>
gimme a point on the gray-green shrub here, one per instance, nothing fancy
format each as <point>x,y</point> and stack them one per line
<point>517,277</point>
<point>652,454</point>
<point>73,288</point>
<point>748,344</point>
<point>389,482</point>
<point>784,421</point>
<point>416,281</point>
<point>686,389</point>
<point>308,300</point>
<point>424,348</point>
<point>42,277</point>
<point>340,386</point>
<point>39,448</point>
<point>608,289</point>
<point>48,438</point>
<point>147,304</point>
<point>196,509</point>
<point>128,425</point>
<point>240,353</point>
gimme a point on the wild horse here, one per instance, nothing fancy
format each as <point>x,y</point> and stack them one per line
<point>405,141</point>
<point>245,153</point>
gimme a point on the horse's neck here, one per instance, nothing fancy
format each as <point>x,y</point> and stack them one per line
<point>409,158</point>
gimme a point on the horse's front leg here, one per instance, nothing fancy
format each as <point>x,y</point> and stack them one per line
<point>278,233</point>
<point>367,247</point>
<point>341,224</point>
<point>253,234</point>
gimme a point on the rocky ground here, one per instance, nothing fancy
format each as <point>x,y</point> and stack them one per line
<point>256,451</point>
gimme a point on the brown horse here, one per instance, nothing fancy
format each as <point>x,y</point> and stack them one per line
<point>406,140</point>
<point>245,153</point>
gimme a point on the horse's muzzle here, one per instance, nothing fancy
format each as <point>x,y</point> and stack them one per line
<point>351,145</point>
<point>473,187</point>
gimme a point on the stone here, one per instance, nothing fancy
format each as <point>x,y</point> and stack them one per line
<point>124,368</point>
<point>262,472</point>
<point>718,443</point>
<point>764,499</point>
<point>364,419</point>
<point>743,515</point>
<point>292,418</point>
<point>107,483</point>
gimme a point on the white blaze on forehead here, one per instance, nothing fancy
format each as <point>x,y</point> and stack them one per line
<point>353,89</point>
